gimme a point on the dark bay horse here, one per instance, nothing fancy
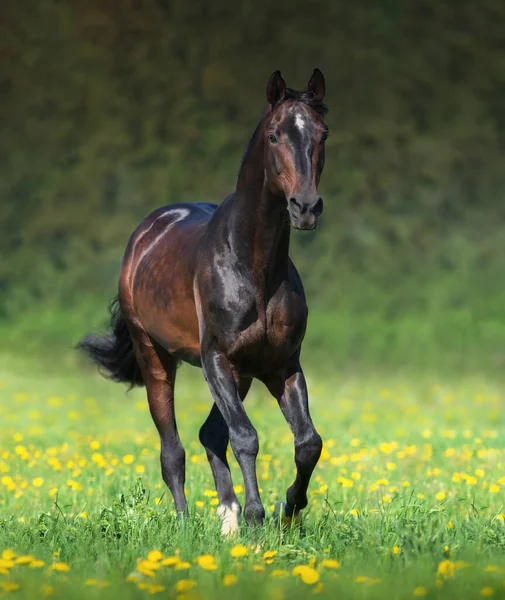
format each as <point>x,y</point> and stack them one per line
<point>214,286</point>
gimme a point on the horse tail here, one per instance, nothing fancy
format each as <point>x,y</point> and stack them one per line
<point>113,352</point>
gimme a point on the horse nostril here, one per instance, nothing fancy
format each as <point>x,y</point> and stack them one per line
<point>295,202</point>
<point>317,209</point>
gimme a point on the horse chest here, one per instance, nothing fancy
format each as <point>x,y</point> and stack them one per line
<point>272,334</point>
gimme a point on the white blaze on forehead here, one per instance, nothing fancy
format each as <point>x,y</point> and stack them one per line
<point>300,121</point>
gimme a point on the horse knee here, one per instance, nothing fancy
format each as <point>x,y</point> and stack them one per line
<point>308,451</point>
<point>244,441</point>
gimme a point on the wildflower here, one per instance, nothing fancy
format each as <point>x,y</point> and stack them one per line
<point>182,566</point>
<point>258,568</point>
<point>140,469</point>
<point>94,445</point>
<point>269,554</point>
<point>37,482</point>
<point>9,586</point>
<point>494,488</point>
<point>8,554</point>
<point>279,573</point>
<point>238,551</point>
<point>307,574</point>
<point>36,564</point>
<point>487,591</point>
<point>199,504</point>
<point>155,588</point>
<point>440,496</point>
<point>210,493</point>
<point>128,459</point>
<point>229,580</point>
<point>61,567</point>
<point>446,569</point>
<point>420,591</point>
<point>449,525</point>
<point>47,590</point>
<point>154,555</point>
<point>25,559</point>
<point>170,561</point>
<point>330,563</point>
<point>184,585</point>
<point>396,550</point>
<point>207,562</point>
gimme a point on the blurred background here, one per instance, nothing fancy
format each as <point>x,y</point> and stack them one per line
<point>111,109</point>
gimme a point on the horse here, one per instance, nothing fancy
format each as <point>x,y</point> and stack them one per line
<point>213,286</point>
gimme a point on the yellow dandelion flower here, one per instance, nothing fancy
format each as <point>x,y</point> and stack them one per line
<point>157,501</point>
<point>9,586</point>
<point>229,580</point>
<point>279,574</point>
<point>494,488</point>
<point>258,568</point>
<point>318,588</point>
<point>210,493</point>
<point>47,590</point>
<point>214,502</point>
<point>396,550</point>
<point>170,561</point>
<point>420,591</point>
<point>487,591</point>
<point>269,554</point>
<point>25,559</point>
<point>37,482</point>
<point>128,459</point>
<point>207,562</point>
<point>37,564</point>
<point>182,566</point>
<point>60,567</point>
<point>155,588</point>
<point>140,469</point>
<point>154,555</point>
<point>330,563</point>
<point>445,569</point>
<point>184,585</point>
<point>94,445</point>
<point>8,554</point>
<point>238,489</point>
<point>440,496</point>
<point>199,504</point>
<point>238,551</point>
<point>361,579</point>
<point>307,574</point>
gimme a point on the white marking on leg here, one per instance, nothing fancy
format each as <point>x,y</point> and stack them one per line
<point>229,518</point>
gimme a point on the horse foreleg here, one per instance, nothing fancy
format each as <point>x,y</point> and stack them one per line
<point>243,436</point>
<point>290,390</point>
<point>214,436</point>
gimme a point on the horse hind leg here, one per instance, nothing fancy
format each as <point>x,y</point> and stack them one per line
<point>214,436</point>
<point>159,370</point>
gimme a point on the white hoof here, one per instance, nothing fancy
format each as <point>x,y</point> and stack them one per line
<point>229,518</point>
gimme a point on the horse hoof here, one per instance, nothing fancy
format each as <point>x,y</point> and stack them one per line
<point>284,520</point>
<point>229,518</point>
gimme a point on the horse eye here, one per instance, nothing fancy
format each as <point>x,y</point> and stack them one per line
<point>272,138</point>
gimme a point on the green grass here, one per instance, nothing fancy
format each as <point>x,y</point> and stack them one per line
<point>412,475</point>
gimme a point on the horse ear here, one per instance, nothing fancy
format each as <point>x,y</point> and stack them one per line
<point>276,88</point>
<point>317,85</point>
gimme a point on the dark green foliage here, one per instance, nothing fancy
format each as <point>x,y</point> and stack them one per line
<point>108,112</point>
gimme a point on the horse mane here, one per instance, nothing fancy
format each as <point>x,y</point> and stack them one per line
<point>306,98</point>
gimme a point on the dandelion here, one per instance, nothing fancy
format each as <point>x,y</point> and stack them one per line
<point>154,555</point>
<point>445,569</point>
<point>37,482</point>
<point>238,551</point>
<point>36,564</point>
<point>440,496</point>
<point>128,459</point>
<point>269,554</point>
<point>47,590</point>
<point>487,591</point>
<point>279,574</point>
<point>307,574</point>
<point>24,560</point>
<point>182,566</point>
<point>229,580</point>
<point>184,585</point>
<point>420,591</point>
<point>8,554</point>
<point>155,588</point>
<point>210,493</point>
<point>396,549</point>
<point>207,562</point>
<point>330,563</point>
<point>60,567</point>
<point>170,561</point>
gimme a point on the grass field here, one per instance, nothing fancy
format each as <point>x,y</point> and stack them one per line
<point>407,500</point>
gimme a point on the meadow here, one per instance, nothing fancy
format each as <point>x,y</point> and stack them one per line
<point>407,500</point>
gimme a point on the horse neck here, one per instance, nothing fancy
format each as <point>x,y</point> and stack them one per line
<point>259,221</point>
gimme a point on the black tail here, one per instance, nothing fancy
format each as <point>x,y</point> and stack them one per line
<point>113,353</point>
